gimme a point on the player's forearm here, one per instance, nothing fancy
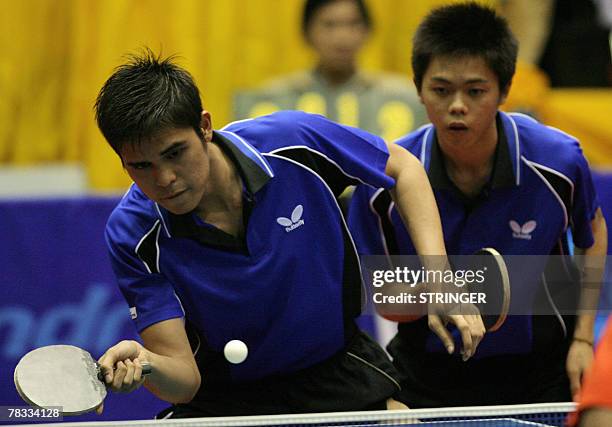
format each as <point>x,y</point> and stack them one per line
<point>416,204</point>
<point>176,377</point>
<point>591,262</point>
<point>175,380</point>
<point>417,207</point>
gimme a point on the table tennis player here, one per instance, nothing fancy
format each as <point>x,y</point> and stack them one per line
<point>500,180</point>
<point>235,235</point>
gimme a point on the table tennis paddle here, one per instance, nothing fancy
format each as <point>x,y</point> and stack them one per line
<point>496,287</point>
<point>64,377</point>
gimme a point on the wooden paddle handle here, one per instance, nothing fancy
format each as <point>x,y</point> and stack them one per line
<point>146,370</point>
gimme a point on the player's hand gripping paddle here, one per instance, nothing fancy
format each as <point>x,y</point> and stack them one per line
<point>62,376</point>
<point>496,288</point>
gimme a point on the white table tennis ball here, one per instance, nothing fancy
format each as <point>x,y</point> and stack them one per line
<point>235,351</point>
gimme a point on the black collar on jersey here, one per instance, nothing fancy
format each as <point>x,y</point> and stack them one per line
<point>502,175</point>
<point>253,178</point>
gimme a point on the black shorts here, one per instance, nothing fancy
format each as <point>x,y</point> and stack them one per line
<point>438,380</point>
<point>361,377</point>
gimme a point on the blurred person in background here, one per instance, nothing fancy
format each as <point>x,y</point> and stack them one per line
<point>530,22</point>
<point>336,30</point>
<point>577,53</point>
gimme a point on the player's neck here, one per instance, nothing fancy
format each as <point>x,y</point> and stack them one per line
<point>222,203</point>
<point>470,167</point>
<point>470,181</point>
<point>336,76</point>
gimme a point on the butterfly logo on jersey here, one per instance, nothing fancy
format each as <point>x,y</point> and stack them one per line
<point>522,231</point>
<point>295,221</point>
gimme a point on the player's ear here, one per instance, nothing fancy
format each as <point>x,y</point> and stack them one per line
<point>206,126</point>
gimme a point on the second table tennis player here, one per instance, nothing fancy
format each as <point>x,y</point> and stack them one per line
<point>503,181</point>
<point>236,234</point>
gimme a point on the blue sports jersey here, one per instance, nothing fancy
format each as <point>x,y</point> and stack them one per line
<point>290,287</point>
<point>539,189</point>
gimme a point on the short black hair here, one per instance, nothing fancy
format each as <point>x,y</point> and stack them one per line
<point>311,7</point>
<point>145,96</point>
<point>465,29</point>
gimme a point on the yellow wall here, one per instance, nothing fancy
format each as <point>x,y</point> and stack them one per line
<point>55,55</point>
<point>585,114</point>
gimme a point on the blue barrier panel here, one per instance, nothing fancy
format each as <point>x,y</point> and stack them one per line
<point>58,287</point>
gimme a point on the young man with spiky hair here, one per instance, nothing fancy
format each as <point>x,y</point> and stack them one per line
<point>500,180</point>
<point>232,252</point>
